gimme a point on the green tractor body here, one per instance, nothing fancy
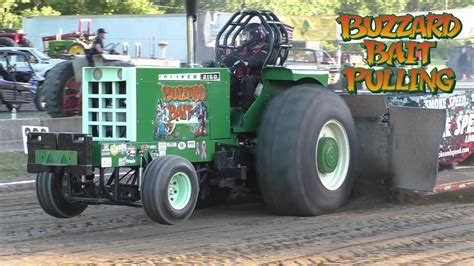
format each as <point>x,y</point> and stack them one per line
<point>168,139</point>
<point>161,111</point>
<point>133,116</point>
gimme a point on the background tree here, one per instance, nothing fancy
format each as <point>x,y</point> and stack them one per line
<point>43,11</point>
<point>135,7</point>
<point>12,10</point>
<point>8,18</point>
<point>426,5</point>
<point>69,7</point>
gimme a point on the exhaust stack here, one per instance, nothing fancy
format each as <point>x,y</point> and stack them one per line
<point>191,10</point>
<point>163,46</point>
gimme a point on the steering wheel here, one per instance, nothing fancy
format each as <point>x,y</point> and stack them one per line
<point>237,65</point>
<point>110,48</point>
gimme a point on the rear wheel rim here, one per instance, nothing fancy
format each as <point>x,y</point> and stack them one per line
<point>71,96</point>
<point>179,191</point>
<point>332,155</point>
<point>76,50</point>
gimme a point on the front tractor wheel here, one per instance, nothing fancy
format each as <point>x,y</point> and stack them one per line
<point>306,152</point>
<point>169,190</point>
<point>50,196</point>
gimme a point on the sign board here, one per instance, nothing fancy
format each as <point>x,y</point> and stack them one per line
<point>27,129</point>
<point>458,138</point>
<point>464,14</point>
<point>311,28</point>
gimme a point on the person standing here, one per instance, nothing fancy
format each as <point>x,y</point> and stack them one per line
<point>464,61</point>
<point>470,60</point>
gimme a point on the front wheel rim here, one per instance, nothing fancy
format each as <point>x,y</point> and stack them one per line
<point>179,191</point>
<point>334,135</point>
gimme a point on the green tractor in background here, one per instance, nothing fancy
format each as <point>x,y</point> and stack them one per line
<point>168,139</point>
<point>75,43</point>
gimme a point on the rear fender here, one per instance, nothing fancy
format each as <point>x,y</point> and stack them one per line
<point>78,63</point>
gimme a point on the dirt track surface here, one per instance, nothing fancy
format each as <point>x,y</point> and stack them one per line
<point>366,231</point>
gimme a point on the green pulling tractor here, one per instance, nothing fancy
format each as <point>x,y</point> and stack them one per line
<point>168,139</point>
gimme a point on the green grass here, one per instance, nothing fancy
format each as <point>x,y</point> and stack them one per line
<point>24,115</point>
<point>13,167</point>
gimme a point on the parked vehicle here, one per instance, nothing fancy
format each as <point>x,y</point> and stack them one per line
<point>12,38</point>
<point>18,87</point>
<point>39,61</point>
<point>316,59</point>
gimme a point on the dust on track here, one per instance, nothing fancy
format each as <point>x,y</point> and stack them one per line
<point>368,230</point>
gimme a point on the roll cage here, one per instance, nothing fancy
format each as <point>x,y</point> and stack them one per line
<point>278,38</point>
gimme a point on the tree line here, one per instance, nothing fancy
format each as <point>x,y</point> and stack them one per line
<point>11,11</point>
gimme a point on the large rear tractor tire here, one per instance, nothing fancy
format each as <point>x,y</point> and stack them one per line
<point>7,42</point>
<point>51,199</point>
<point>55,86</point>
<point>169,190</point>
<point>306,152</point>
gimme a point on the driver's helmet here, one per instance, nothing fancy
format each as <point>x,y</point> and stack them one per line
<point>253,35</point>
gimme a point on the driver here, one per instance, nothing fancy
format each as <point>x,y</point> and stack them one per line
<point>97,45</point>
<point>252,52</point>
<point>32,59</point>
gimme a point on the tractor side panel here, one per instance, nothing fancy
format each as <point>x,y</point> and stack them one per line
<point>158,111</point>
<point>127,154</point>
<point>184,104</point>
